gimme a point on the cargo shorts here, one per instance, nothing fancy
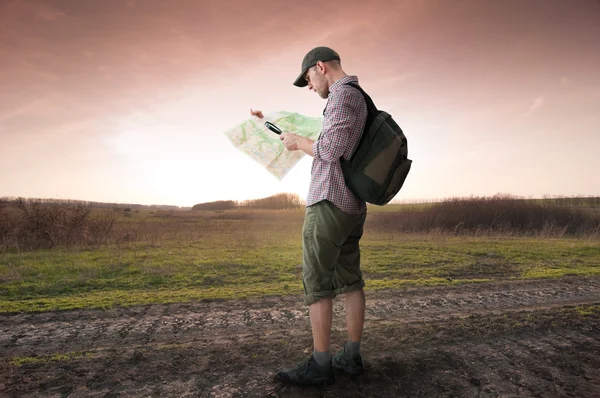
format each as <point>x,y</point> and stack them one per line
<point>330,251</point>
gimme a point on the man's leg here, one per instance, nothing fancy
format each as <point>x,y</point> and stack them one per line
<point>321,313</point>
<point>348,281</point>
<point>349,359</point>
<point>322,234</point>
<point>355,314</point>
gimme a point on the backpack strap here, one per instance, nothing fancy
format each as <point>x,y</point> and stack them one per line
<point>371,108</point>
<point>372,112</point>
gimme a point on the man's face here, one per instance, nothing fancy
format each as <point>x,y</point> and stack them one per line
<point>317,81</point>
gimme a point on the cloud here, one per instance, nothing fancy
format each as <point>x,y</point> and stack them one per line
<point>19,11</point>
<point>395,79</point>
<point>566,81</point>
<point>537,104</point>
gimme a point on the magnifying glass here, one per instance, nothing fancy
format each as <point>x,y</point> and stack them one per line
<point>273,128</point>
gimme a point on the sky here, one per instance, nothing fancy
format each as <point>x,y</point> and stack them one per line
<point>127,101</point>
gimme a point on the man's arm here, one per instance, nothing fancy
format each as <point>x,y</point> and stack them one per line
<point>306,145</point>
<point>342,126</point>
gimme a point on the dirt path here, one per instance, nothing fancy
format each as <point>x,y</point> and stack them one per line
<point>524,338</point>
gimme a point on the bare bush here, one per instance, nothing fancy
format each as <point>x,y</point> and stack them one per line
<point>51,224</point>
<point>38,224</point>
<point>8,226</point>
<point>99,226</point>
<point>490,215</point>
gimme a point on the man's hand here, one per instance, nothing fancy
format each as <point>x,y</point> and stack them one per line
<point>291,141</point>
<point>256,113</point>
<point>295,142</point>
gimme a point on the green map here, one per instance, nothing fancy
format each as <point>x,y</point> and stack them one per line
<point>264,146</point>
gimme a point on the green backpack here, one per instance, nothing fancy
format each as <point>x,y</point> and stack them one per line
<point>379,166</point>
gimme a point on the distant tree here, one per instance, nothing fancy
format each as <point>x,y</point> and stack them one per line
<point>281,201</point>
<point>214,206</point>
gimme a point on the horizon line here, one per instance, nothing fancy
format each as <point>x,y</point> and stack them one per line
<point>393,201</point>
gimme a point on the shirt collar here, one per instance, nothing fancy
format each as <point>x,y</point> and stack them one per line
<point>346,79</point>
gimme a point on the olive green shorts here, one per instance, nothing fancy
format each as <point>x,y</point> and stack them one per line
<point>330,251</point>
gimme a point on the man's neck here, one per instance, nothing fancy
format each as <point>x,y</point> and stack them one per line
<point>335,76</point>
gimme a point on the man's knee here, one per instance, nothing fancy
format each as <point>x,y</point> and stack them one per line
<point>311,298</point>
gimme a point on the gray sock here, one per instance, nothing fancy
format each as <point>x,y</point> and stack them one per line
<point>321,358</point>
<point>352,348</point>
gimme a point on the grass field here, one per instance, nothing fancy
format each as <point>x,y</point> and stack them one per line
<point>191,256</point>
<point>209,303</point>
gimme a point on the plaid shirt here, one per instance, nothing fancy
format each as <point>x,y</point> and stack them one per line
<point>343,123</point>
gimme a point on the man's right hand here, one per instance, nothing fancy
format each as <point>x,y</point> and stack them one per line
<point>256,113</point>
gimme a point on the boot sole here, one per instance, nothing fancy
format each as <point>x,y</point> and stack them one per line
<point>351,372</point>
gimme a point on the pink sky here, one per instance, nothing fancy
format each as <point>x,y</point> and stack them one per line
<point>127,101</point>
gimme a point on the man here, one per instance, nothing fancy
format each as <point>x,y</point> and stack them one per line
<point>334,219</point>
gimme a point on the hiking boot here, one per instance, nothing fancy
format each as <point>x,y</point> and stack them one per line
<point>308,373</point>
<point>352,365</point>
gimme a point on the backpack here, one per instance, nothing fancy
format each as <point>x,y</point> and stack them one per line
<point>379,165</point>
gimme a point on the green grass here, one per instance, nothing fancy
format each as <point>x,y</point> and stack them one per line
<point>57,357</point>
<point>585,310</point>
<point>210,258</point>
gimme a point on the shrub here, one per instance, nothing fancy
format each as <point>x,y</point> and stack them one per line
<point>491,215</point>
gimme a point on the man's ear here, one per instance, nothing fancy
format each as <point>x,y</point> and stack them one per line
<point>321,67</point>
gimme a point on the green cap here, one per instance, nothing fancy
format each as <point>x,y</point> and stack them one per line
<point>315,55</point>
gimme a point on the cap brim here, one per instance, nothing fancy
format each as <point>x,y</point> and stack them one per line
<point>301,81</point>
